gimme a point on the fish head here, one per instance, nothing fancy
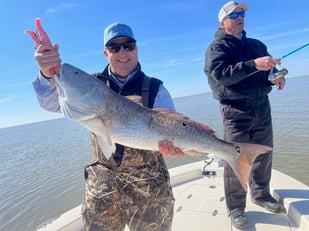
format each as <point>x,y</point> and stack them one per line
<point>81,95</point>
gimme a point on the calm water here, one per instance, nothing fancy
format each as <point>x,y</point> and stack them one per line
<point>41,174</point>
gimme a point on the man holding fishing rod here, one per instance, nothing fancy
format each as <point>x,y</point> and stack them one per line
<point>241,74</point>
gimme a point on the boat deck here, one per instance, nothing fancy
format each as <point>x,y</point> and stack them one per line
<point>200,204</point>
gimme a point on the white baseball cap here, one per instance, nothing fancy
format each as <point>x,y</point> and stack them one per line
<point>229,7</point>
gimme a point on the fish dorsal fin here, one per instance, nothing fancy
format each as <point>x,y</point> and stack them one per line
<point>135,98</point>
<point>209,129</point>
<point>179,116</point>
<point>164,110</point>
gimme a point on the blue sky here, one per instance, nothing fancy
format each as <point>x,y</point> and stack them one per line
<point>172,37</point>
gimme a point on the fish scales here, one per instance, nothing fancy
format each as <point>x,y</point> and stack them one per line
<point>116,119</point>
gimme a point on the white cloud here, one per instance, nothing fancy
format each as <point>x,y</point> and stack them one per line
<point>51,11</point>
<point>63,6</point>
<point>285,34</point>
<point>6,100</point>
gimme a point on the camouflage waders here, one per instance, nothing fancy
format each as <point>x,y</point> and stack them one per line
<point>136,192</point>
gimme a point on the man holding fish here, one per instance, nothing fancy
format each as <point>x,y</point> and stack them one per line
<point>130,186</point>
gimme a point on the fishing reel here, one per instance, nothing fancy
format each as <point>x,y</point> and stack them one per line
<point>279,74</point>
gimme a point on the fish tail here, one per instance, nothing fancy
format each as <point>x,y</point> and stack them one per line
<point>243,164</point>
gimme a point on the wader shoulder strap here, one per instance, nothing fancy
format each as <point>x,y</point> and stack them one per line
<point>145,91</point>
<point>149,90</point>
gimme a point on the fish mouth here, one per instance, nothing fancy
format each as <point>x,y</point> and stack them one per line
<point>58,86</point>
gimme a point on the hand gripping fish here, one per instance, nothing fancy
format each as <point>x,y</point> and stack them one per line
<point>116,119</point>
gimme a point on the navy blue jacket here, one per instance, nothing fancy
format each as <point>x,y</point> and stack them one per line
<point>229,65</point>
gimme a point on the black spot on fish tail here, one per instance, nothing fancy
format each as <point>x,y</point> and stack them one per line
<point>243,163</point>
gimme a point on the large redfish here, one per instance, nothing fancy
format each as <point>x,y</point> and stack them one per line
<point>116,119</point>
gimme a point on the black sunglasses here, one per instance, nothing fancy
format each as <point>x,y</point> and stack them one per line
<point>115,47</point>
<point>235,15</point>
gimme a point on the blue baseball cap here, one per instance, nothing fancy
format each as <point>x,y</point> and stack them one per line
<point>116,30</point>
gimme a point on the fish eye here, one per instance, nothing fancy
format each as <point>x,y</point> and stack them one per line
<point>237,148</point>
<point>184,124</point>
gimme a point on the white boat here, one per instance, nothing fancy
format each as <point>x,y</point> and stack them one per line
<point>200,203</point>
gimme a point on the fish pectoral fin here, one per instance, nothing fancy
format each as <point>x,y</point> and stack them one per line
<point>107,147</point>
<point>103,137</point>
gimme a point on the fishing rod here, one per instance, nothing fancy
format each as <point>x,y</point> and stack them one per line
<point>284,71</point>
<point>293,51</point>
<point>281,73</point>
